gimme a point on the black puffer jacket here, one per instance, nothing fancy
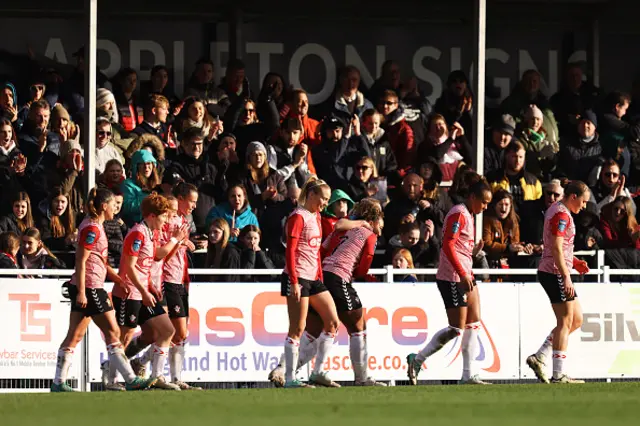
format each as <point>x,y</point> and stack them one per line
<point>579,160</point>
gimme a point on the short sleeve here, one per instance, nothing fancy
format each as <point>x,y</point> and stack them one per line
<point>454,224</point>
<point>133,243</point>
<point>559,224</point>
<point>89,237</point>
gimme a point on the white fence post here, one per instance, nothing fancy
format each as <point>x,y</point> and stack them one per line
<point>606,274</point>
<point>601,266</point>
<point>389,269</point>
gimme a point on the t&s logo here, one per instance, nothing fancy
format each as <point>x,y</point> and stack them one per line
<point>33,329</point>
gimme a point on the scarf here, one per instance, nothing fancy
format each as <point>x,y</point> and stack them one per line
<point>6,152</point>
<point>33,263</point>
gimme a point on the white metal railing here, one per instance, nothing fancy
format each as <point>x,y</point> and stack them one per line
<point>602,271</point>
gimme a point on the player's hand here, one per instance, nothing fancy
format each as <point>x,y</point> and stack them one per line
<point>569,290</point>
<point>467,283</point>
<point>477,248</point>
<point>125,288</point>
<point>296,291</point>
<point>81,300</point>
<point>189,244</point>
<point>581,266</point>
<point>181,233</point>
<point>156,293</point>
<point>148,299</point>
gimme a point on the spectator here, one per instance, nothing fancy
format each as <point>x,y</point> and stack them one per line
<point>541,150</point>
<point>265,186</point>
<point>9,247</point>
<point>34,254</point>
<point>365,182</point>
<point>449,149</point>
<point>347,101</point>
<point>574,97</point>
<point>407,206</point>
<point>456,102</point>
<point>497,141</point>
<point>533,211</point>
<point>156,112</point>
<point>402,259</point>
<point>611,184</point>
<point>69,175</point>
<point>251,256</point>
<point>291,157</point>
<point>398,131</point>
<point>106,151</point>
<point>21,217</point>
<point>234,83</point>
<point>501,231</point>
<point>236,211</point>
<point>528,91</point>
<point>616,133</point>
<point>36,142</point>
<point>202,85</point>
<point>106,107</point>
<point>581,156</point>
<point>8,148</point>
<point>158,84</point>
<point>299,108</point>
<point>124,91</point>
<point>9,105</point>
<point>57,221</point>
<point>273,86</point>
<point>432,192</point>
<point>220,252</point>
<point>422,244</point>
<point>143,178</point>
<point>62,127</point>
<point>339,206</point>
<point>588,235</point>
<point>116,230</point>
<point>376,145</point>
<point>113,175</point>
<point>334,156</point>
<point>151,143</point>
<point>522,185</point>
<point>223,156</point>
<point>195,168</point>
<point>619,226</point>
<point>252,122</point>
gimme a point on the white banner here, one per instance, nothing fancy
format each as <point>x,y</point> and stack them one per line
<point>236,333</point>
<point>34,322</point>
<point>607,344</point>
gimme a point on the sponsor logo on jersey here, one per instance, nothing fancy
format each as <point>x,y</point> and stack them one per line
<point>90,238</point>
<point>455,227</point>
<point>562,225</point>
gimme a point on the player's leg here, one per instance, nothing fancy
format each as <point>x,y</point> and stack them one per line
<point>297,311</point>
<point>455,303</point>
<point>323,304</point>
<point>307,350</point>
<point>163,331</point>
<point>177,304</point>
<point>107,323</point>
<point>356,326</point>
<point>565,314</point>
<point>472,329</point>
<point>78,324</point>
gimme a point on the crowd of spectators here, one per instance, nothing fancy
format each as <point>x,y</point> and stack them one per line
<point>249,153</point>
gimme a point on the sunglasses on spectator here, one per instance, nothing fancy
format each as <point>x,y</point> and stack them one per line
<point>249,111</point>
<point>37,87</point>
<point>552,194</point>
<point>385,103</point>
<point>103,133</point>
<point>362,168</point>
<point>620,210</point>
<point>611,174</point>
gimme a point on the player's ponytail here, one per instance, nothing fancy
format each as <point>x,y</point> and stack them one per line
<point>577,188</point>
<point>183,189</point>
<point>97,198</point>
<point>313,184</point>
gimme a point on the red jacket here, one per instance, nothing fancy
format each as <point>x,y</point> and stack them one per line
<point>400,137</point>
<point>614,240</point>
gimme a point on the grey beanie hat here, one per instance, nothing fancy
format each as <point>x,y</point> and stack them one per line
<point>256,146</point>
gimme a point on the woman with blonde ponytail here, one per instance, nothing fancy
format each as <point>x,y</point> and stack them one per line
<point>89,299</point>
<point>302,284</point>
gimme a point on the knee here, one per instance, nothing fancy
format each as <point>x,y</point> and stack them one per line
<point>180,335</point>
<point>112,336</point>
<point>565,322</point>
<point>295,331</point>
<point>577,322</point>
<point>332,326</point>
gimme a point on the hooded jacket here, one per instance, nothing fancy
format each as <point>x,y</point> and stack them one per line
<point>379,149</point>
<point>17,125</point>
<point>242,219</point>
<point>132,193</point>
<point>400,136</point>
<point>328,219</point>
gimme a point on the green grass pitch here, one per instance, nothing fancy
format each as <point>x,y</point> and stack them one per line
<point>590,404</point>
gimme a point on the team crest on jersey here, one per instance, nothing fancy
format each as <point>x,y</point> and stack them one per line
<point>562,225</point>
<point>136,245</point>
<point>90,238</point>
<point>455,227</point>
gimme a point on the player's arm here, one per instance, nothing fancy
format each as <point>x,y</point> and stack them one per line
<point>452,229</point>
<point>345,224</point>
<point>368,251</point>
<point>87,241</point>
<point>174,240</point>
<point>295,225</point>
<point>131,251</point>
<point>559,223</point>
